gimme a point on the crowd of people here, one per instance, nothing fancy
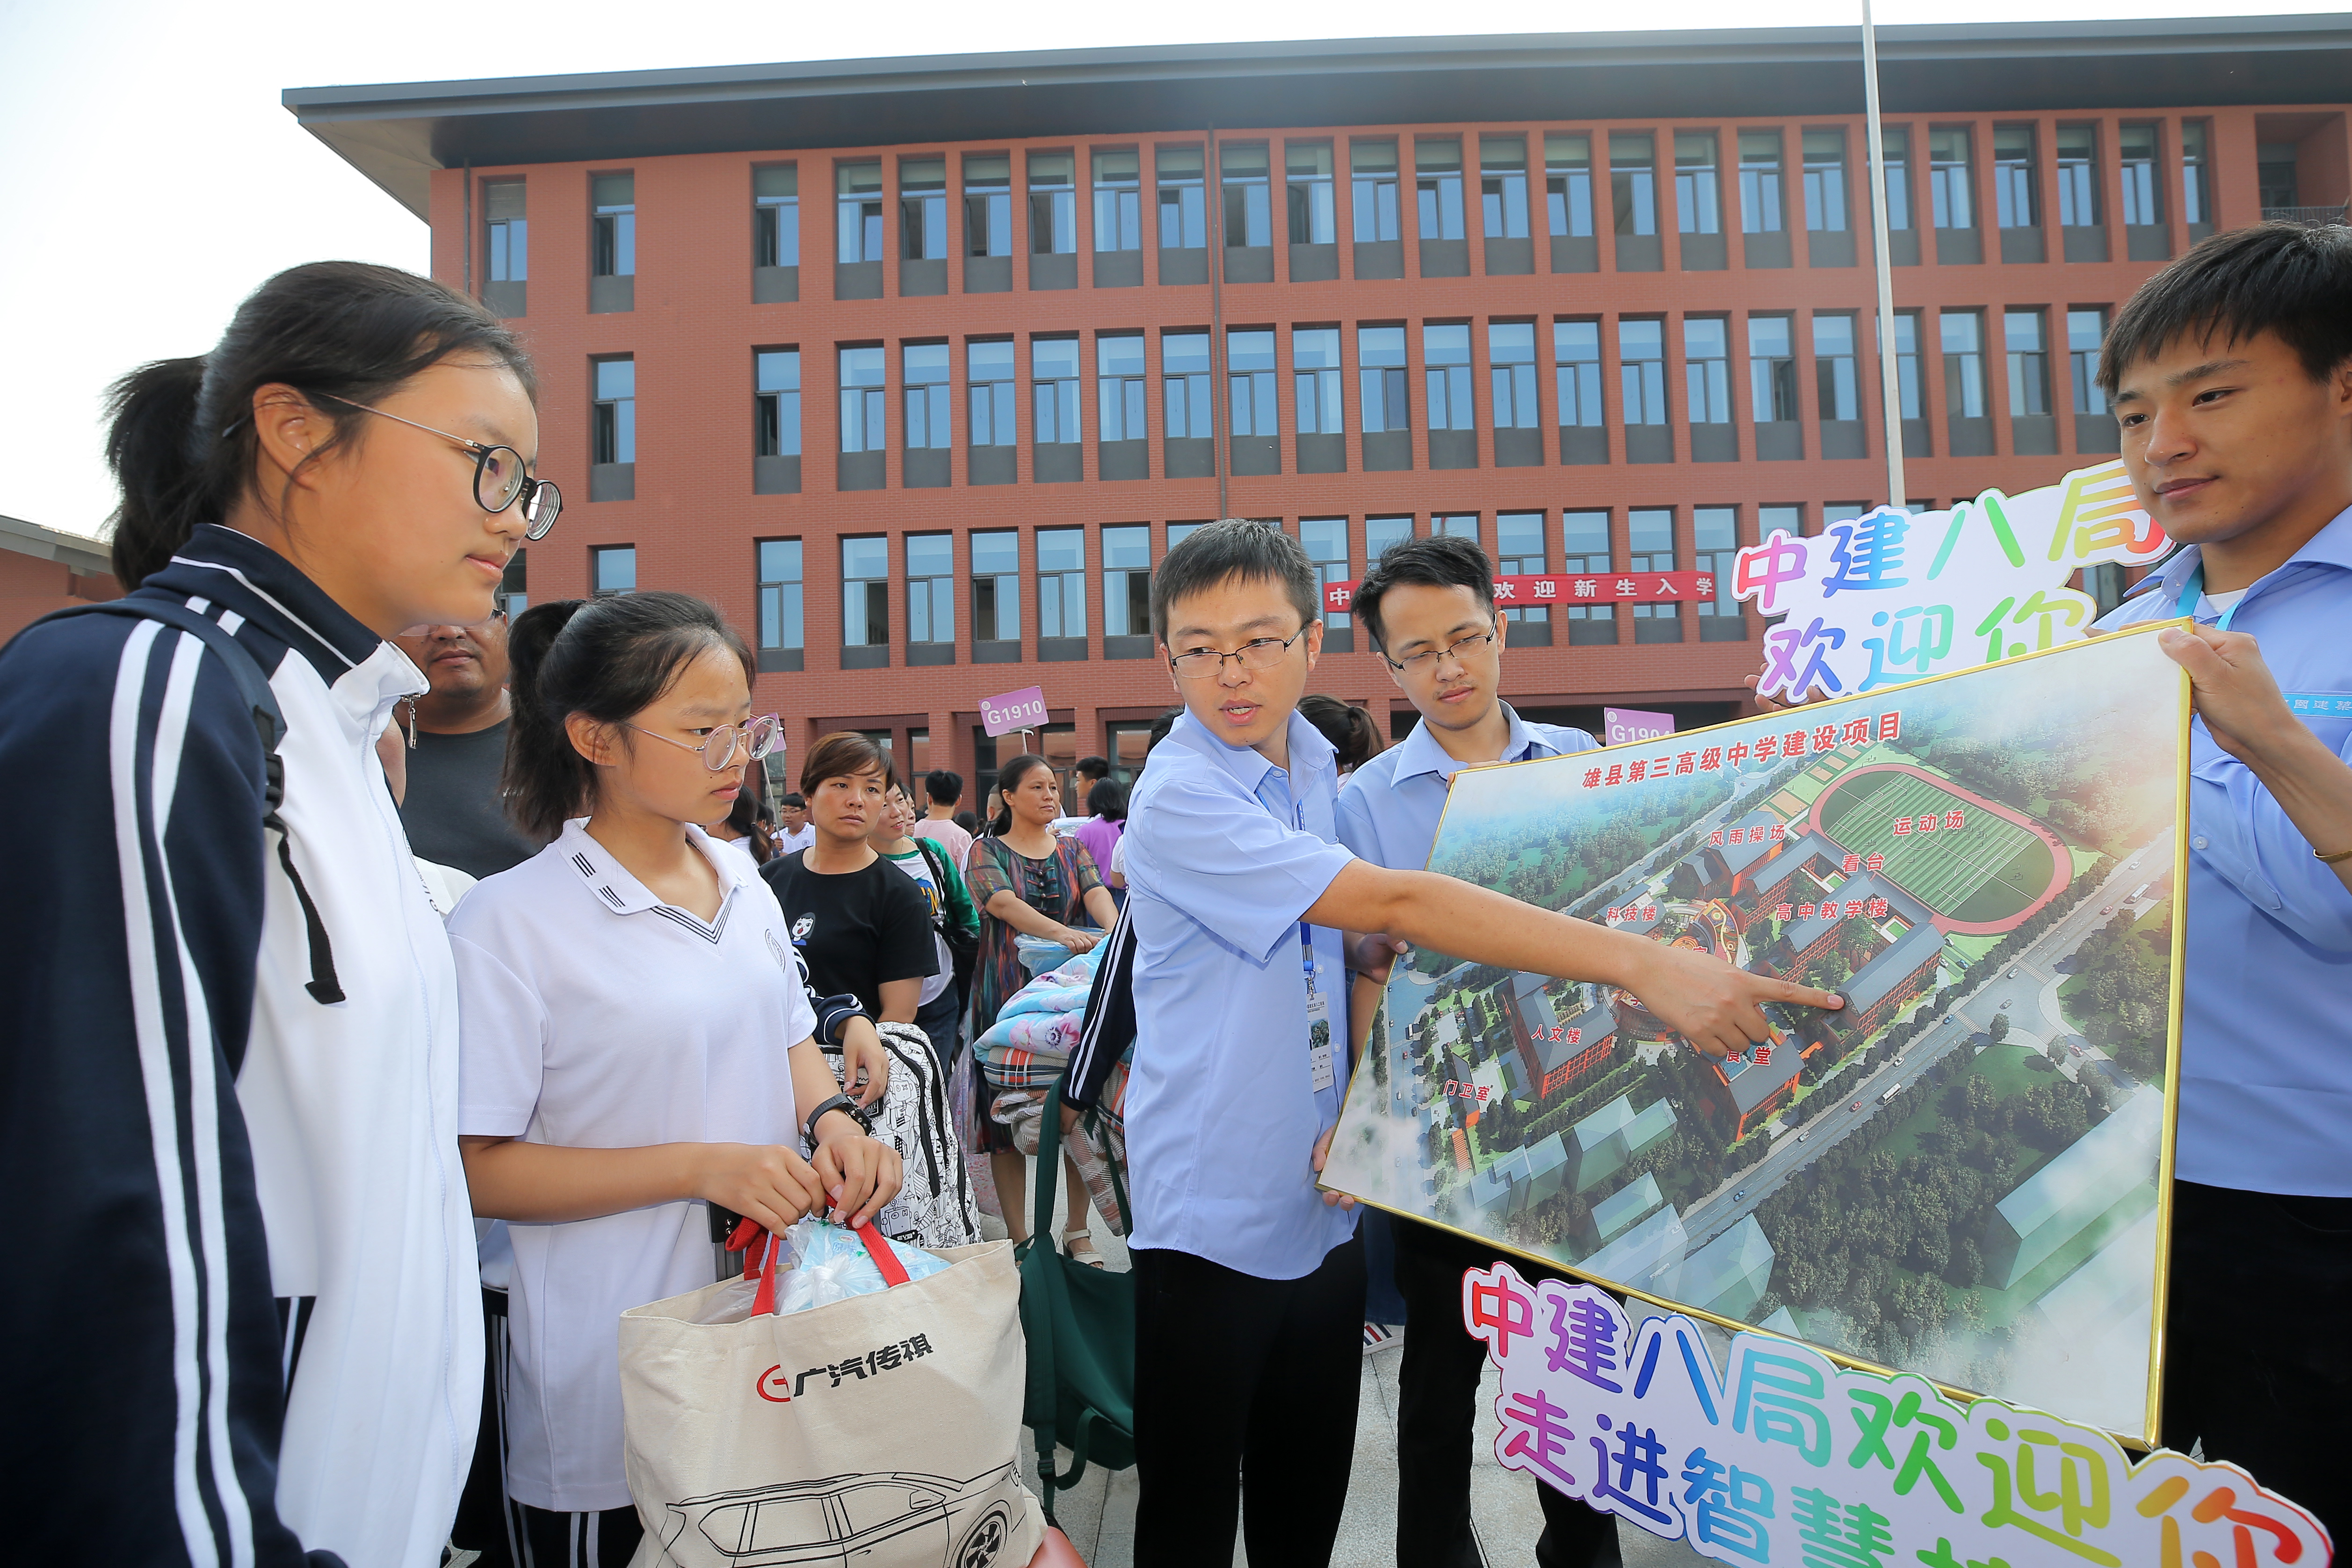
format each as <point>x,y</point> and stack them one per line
<point>388,980</point>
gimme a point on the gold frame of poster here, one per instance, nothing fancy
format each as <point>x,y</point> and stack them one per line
<point>1362,1121</point>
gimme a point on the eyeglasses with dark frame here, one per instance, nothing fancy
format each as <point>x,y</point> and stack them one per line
<point>1257,654</point>
<point>1428,659</point>
<point>542,503</point>
<point>756,737</point>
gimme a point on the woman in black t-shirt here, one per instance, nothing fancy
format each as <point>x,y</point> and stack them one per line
<point>860,925</point>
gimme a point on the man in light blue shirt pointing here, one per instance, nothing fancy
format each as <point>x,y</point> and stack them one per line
<point>1249,1281</point>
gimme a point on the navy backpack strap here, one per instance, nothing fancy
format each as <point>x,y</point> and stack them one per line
<point>270,727</point>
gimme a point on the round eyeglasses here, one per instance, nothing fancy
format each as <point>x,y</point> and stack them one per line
<point>499,480</point>
<point>752,739</point>
<point>1257,654</point>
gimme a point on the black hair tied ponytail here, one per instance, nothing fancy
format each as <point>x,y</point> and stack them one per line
<point>181,439</point>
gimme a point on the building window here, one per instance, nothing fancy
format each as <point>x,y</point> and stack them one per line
<point>612,569</point>
<point>1118,199</point>
<point>1963,345</point>
<point>1249,381</point>
<point>2014,203</point>
<point>513,596</point>
<point>1454,525</point>
<point>1567,184</point>
<point>988,370</point>
<point>924,368</point>
<point>864,425</point>
<point>923,208</point>
<point>1249,212</point>
<point>1895,139</point>
<point>987,203</point>
<point>1118,386</point>
<point>2196,187</point>
<point>1641,365</point>
<point>865,592</point>
<point>1437,182</point>
<point>1312,216</point>
<point>1184,382</point>
<point>1053,204</point>
<point>1445,361</point>
<point>782,626</point>
<point>1772,369</point>
<point>1584,539</point>
<point>1834,369</point>
<point>1707,369</point>
<point>1576,349</point>
<point>2085,330</point>
<point>614,198</point>
<point>2137,145</point>
<point>776,216</point>
<point>1511,359</point>
<point>2078,176</point>
<point>1061,582</point>
<point>1502,186</point>
<point>930,588</point>
<point>1373,166</point>
<point>858,207</point>
<point>776,402</point>
<point>1379,533</point>
<point>1127,580</point>
<point>1906,364</point>
<point>1789,520</point>
<point>996,585</point>
<point>1184,211</point>
<point>1179,532</point>
<point>1650,536</point>
<point>1760,183</point>
<point>1054,389</point>
<point>1715,532</point>
<point>1825,209</point>
<point>1948,178</point>
<point>1380,375</point>
<point>1633,181</point>
<point>2029,362</point>
<point>1699,205</point>
<point>1314,380</point>
<point>507,241</point>
<point>1519,551</point>
<point>1326,542</point>
<point>615,430</point>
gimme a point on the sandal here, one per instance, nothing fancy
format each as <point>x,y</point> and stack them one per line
<point>1078,1247</point>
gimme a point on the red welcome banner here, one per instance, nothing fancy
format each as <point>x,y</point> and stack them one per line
<point>1600,588</point>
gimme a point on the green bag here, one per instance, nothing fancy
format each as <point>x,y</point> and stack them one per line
<point>1080,1325</point>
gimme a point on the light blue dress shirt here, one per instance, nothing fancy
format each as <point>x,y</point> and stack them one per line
<point>1389,808</point>
<point>2266,1014</point>
<point>1224,853</point>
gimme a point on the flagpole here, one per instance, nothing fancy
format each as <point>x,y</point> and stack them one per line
<point>1889,385</point>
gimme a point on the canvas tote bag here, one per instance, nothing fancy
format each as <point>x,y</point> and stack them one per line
<point>881,1430</point>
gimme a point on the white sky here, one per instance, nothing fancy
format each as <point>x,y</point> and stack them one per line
<point>150,177</point>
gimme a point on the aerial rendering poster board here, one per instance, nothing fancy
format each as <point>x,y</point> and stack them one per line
<point>1963,1175</point>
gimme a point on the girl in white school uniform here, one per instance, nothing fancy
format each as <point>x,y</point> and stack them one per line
<point>636,1035</point>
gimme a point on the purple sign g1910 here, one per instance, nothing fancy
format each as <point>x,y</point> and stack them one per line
<point>1024,709</point>
<point>1624,723</point>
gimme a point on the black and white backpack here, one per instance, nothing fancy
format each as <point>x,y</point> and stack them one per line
<point>934,1209</point>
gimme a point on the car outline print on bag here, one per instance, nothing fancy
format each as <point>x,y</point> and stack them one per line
<point>932,1505</point>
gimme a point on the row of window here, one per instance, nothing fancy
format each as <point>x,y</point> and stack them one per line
<point>1259,389</point>
<point>1260,186</point>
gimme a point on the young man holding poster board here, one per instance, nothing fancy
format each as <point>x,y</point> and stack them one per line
<point>1249,1282</point>
<point>2231,373</point>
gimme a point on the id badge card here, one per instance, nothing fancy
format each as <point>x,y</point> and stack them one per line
<point>1322,1064</point>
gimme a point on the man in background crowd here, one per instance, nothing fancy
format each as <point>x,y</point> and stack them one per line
<point>796,832</point>
<point>942,789</point>
<point>456,747</point>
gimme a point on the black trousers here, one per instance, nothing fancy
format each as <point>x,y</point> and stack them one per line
<point>605,1540</point>
<point>487,1520</point>
<point>1245,1393</point>
<point>2269,1395</point>
<point>1437,1402</point>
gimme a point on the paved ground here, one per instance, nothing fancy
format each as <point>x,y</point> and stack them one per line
<point>1098,1514</point>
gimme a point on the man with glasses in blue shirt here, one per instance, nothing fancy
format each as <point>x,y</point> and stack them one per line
<point>1249,1281</point>
<point>2231,374</point>
<point>1429,604</point>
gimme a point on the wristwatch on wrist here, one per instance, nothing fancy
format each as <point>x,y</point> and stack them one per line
<point>843,1104</point>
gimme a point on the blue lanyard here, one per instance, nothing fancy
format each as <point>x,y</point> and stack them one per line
<point>2192,590</point>
<point>1305,933</point>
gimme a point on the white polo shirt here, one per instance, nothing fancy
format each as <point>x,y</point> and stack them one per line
<point>594,1016</point>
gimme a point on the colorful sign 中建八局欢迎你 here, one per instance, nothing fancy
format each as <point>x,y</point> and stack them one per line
<point>1024,709</point>
<point>1894,596</point>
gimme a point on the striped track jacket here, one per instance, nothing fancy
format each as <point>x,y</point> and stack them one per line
<point>241,1304</point>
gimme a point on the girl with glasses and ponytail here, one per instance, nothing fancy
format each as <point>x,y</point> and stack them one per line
<point>639,1045</point>
<point>228,1090</point>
